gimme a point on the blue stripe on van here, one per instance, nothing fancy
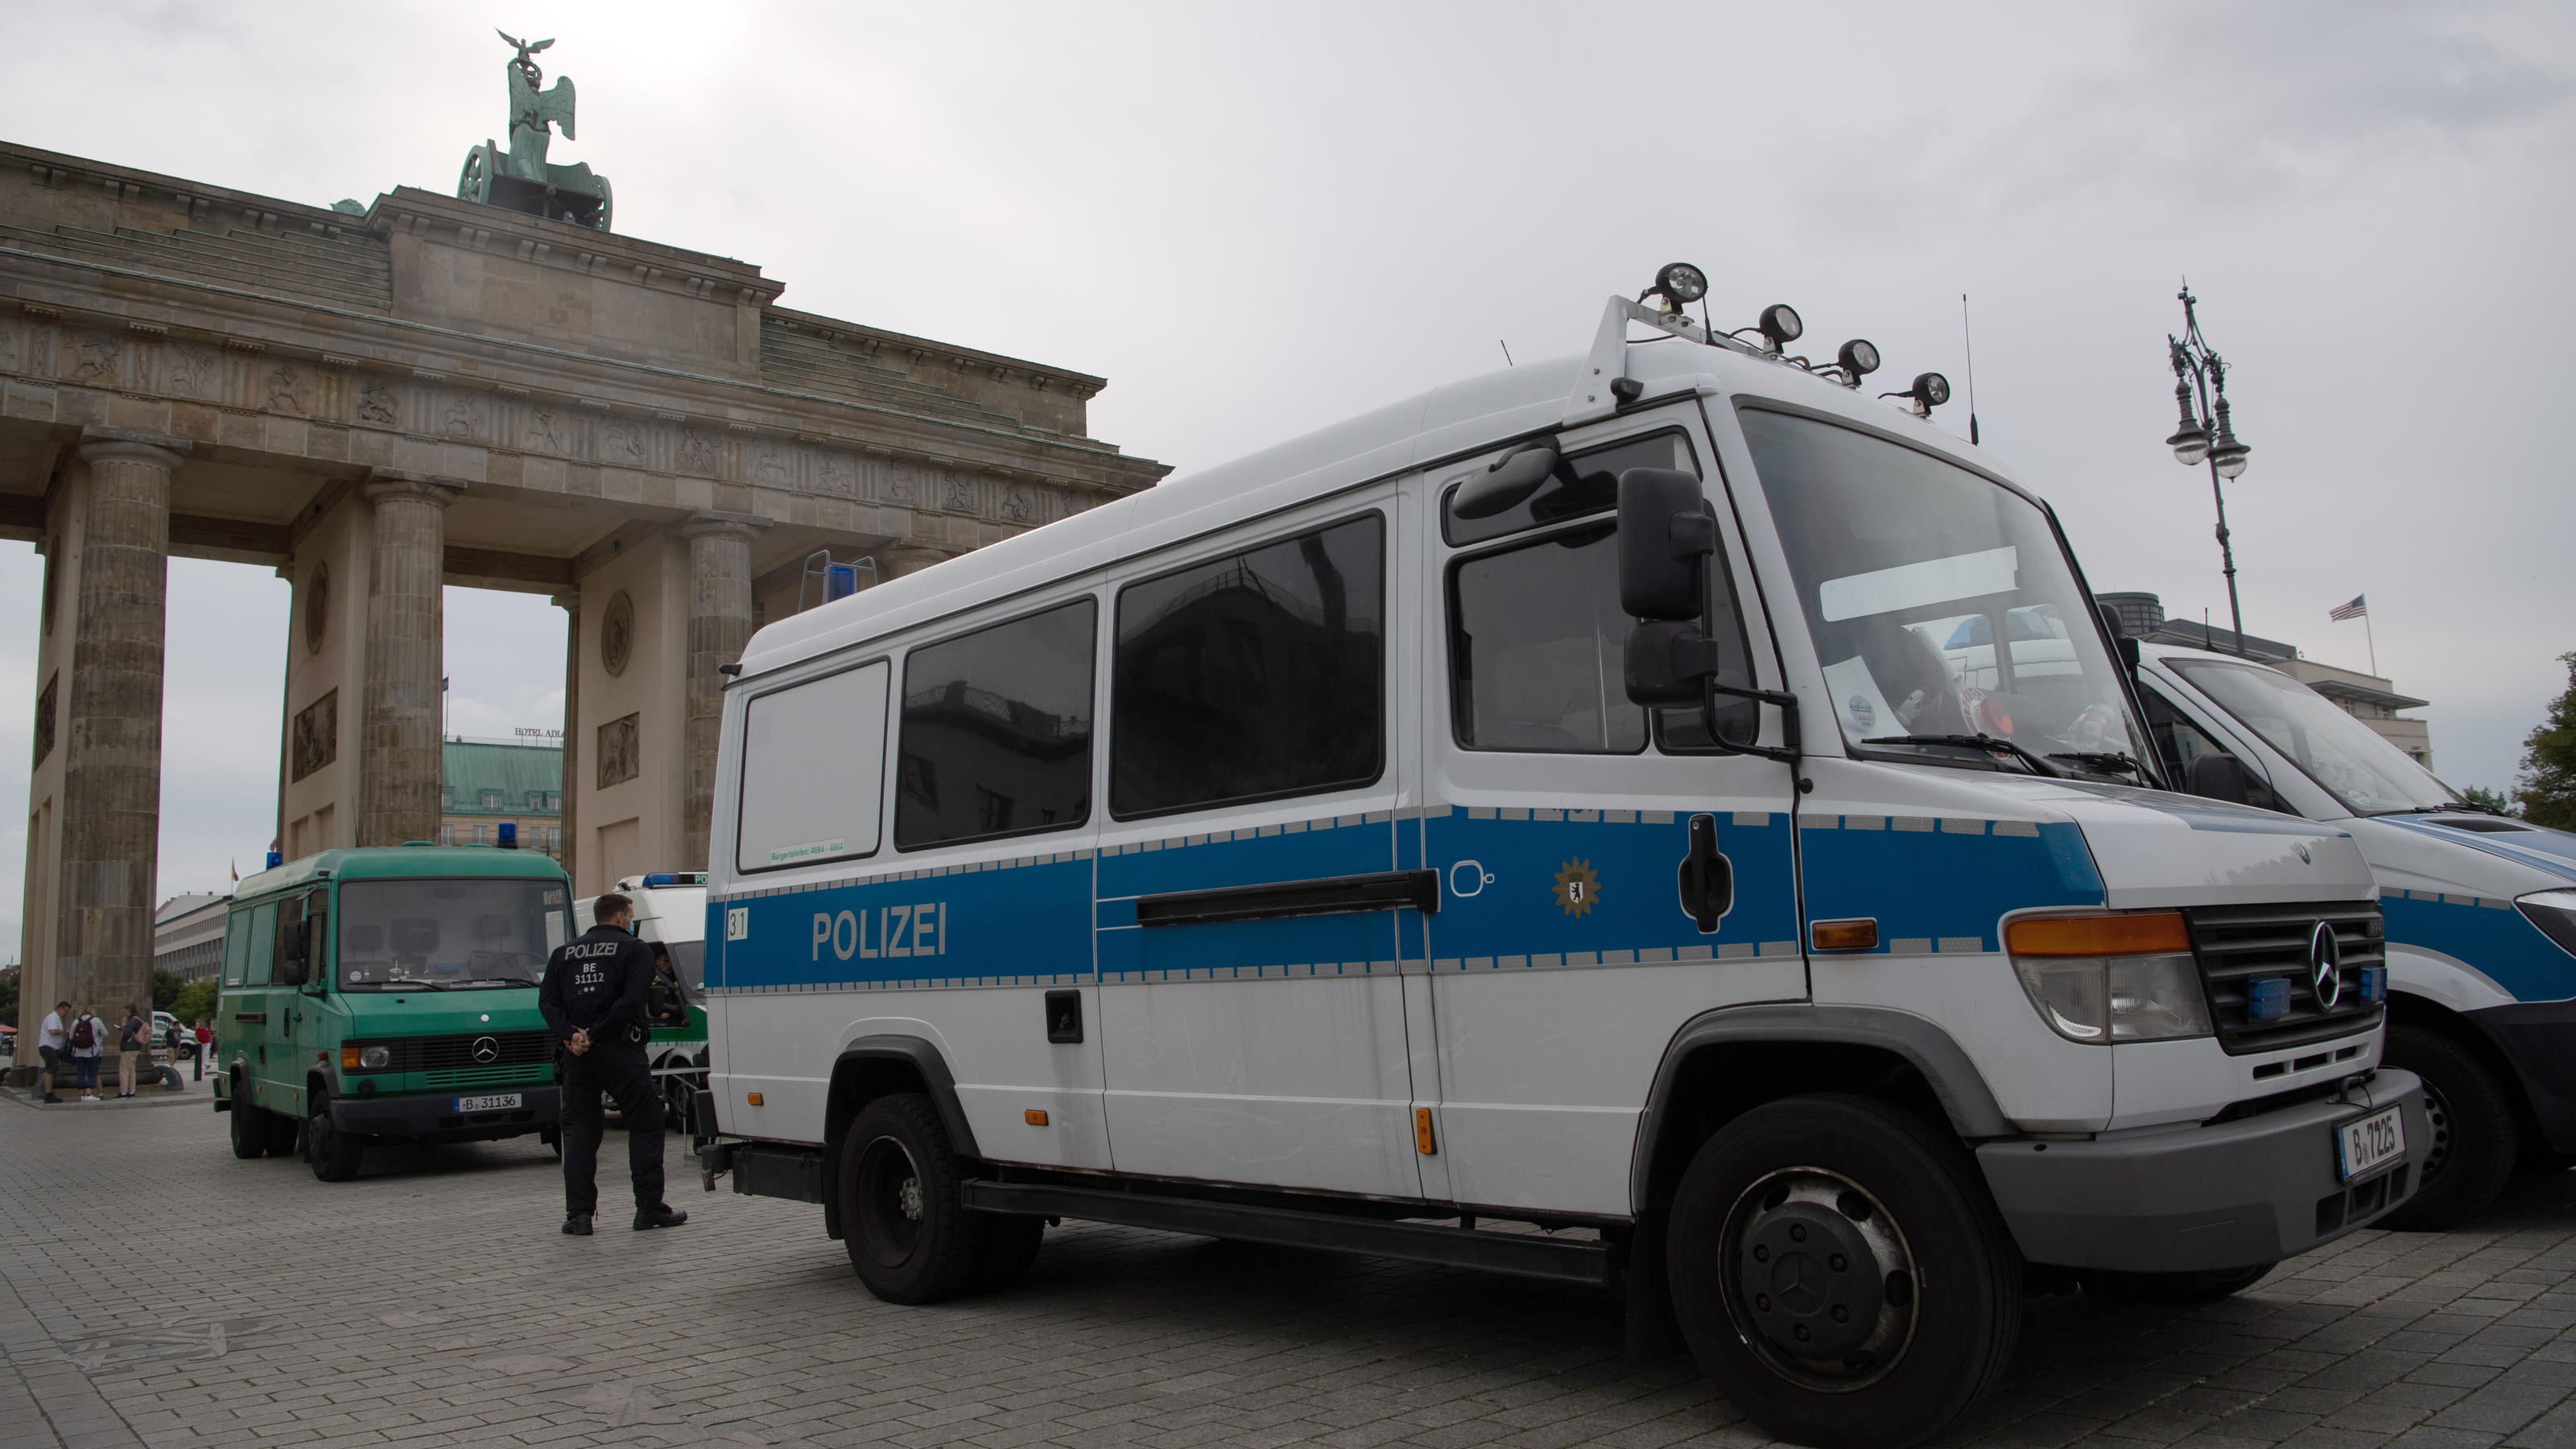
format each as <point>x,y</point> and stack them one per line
<point>1028,922</point>
<point>1355,943</point>
<point>1942,884</point>
<point>2486,932</point>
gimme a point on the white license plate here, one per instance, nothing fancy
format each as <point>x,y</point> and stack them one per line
<point>504,1101</point>
<point>2367,1143</point>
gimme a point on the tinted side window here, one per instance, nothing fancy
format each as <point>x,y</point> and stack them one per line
<point>2178,740</point>
<point>263,940</point>
<point>1535,645</point>
<point>1254,676</point>
<point>997,730</point>
<point>236,948</point>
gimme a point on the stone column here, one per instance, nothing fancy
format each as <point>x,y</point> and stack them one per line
<point>719,627</point>
<point>569,820</point>
<point>398,764</point>
<point>111,829</point>
<point>909,558</point>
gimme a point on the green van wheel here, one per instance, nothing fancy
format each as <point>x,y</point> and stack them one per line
<point>334,1155</point>
<point>249,1126</point>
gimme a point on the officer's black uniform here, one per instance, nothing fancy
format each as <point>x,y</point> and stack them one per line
<point>598,983</point>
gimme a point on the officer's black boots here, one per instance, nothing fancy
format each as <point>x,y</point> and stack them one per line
<point>659,1215</point>
<point>577,1225</point>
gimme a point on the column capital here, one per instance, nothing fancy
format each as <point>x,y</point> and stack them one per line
<point>718,523</point>
<point>569,602</point>
<point>384,483</point>
<point>103,444</point>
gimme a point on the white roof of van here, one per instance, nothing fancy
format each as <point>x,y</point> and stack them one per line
<point>1448,421</point>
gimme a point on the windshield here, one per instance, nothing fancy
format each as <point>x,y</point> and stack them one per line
<point>2352,763</point>
<point>1909,569</point>
<point>405,934</point>
<point>689,959</point>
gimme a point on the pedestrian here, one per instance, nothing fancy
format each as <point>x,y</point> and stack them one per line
<point>593,999</point>
<point>52,1041</point>
<point>89,1043</point>
<point>133,1038</point>
<point>205,1046</point>
<point>667,1002</point>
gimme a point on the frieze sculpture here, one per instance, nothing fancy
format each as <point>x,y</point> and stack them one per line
<point>521,178</point>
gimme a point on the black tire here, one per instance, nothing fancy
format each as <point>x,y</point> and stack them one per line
<point>249,1125</point>
<point>1903,1232</point>
<point>2208,1287</point>
<point>2475,1135</point>
<point>282,1133</point>
<point>1010,1249</point>
<point>334,1155</point>
<point>908,1235</point>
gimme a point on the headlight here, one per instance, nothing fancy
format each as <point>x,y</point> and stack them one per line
<point>2110,978</point>
<point>2554,912</point>
<point>375,1058</point>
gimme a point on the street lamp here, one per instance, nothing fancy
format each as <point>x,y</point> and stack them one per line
<point>2206,434</point>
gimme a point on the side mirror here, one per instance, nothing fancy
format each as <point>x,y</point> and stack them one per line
<point>2222,777</point>
<point>1668,663</point>
<point>1505,483</point>
<point>1666,532</point>
<point>2124,641</point>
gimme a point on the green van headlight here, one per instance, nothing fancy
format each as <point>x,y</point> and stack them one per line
<point>375,1058</point>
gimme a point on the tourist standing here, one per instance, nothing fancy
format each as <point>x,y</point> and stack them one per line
<point>89,1043</point>
<point>132,1038</point>
<point>51,1042</point>
<point>205,1046</point>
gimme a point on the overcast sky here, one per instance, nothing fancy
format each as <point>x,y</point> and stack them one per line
<point>1258,220</point>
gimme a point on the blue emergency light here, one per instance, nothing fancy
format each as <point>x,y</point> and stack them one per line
<point>2268,999</point>
<point>276,858</point>
<point>840,580</point>
<point>2374,983</point>
<point>676,878</point>
<point>509,835</point>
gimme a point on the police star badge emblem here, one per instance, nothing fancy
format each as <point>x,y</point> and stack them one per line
<point>1578,888</point>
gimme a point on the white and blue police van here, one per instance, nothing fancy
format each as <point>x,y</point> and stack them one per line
<point>1546,801</point>
<point>2480,910</point>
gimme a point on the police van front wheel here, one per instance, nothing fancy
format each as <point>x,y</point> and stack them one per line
<point>907,1230</point>
<point>249,1125</point>
<point>1841,1275</point>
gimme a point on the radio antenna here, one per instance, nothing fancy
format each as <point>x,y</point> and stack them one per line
<point>1971,343</point>
<point>1507,352</point>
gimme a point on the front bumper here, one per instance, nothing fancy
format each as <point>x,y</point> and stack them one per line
<point>2234,1195</point>
<point>428,1116</point>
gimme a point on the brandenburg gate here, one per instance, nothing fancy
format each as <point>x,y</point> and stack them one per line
<point>430,390</point>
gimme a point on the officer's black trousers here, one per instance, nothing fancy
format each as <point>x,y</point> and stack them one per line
<point>621,1072</point>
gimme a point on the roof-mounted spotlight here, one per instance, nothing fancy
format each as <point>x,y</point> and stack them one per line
<point>1855,360</point>
<point>1930,390</point>
<point>1679,283</point>
<point>1779,327</point>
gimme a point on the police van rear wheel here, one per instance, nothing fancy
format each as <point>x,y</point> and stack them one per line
<point>907,1231</point>
<point>250,1125</point>
<point>1840,1274</point>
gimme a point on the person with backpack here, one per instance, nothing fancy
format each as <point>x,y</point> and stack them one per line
<point>89,1043</point>
<point>133,1039</point>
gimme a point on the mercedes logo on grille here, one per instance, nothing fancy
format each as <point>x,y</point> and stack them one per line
<point>487,1049</point>
<point>2325,966</point>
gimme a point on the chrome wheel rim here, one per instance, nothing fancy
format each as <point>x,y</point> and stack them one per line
<point>1818,1279</point>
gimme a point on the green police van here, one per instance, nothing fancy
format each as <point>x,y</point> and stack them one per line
<point>385,996</point>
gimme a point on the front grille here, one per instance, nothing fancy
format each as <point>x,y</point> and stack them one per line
<point>2238,945</point>
<point>484,1077</point>
<point>513,1049</point>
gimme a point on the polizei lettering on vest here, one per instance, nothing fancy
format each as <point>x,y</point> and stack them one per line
<point>914,930</point>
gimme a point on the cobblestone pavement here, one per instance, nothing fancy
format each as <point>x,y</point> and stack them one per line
<point>161,1292</point>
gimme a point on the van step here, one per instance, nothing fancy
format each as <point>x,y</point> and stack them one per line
<point>1524,1255</point>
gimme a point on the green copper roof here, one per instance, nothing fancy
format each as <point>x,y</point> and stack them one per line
<point>517,771</point>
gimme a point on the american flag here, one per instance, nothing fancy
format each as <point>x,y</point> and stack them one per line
<point>2354,610</point>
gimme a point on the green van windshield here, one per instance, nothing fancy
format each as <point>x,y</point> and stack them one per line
<point>440,934</point>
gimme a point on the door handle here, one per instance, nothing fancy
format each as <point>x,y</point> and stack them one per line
<point>1707,878</point>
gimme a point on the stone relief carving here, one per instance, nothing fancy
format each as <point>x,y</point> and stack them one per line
<point>903,483</point>
<point>622,443</point>
<point>192,370</point>
<point>376,402</point>
<point>620,750</point>
<point>282,389</point>
<point>10,332</point>
<point>958,496</point>
<point>616,633</point>
<point>460,415</point>
<point>840,475</point>
<point>546,431</point>
<point>769,464</point>
<point>697,453</point>
<point>99,354</point>
<point>1018,506</point>
<point>317,608</point>
<point>45,717</point>
<point>317,735</point>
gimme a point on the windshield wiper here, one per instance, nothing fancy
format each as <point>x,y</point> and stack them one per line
<point>2456,807</point>
<point>2102,762</point>
<point>493,981</point>
<point>1992,744</point>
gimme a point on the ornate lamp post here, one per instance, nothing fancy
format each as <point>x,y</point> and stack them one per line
<point>2205,434</point>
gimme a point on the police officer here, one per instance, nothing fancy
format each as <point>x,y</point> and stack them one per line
<point>593,999</point>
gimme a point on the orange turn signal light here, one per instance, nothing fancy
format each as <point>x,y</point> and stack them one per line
<point>1860,934</point>
<point>752,1097</point>
<point>1035,1116</point>
<point>348,1059</point>
<point>2126,935</point>
<point>1422,1141</point>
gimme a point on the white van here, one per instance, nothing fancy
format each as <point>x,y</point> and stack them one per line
<point>1284,853</point>
<point>2481,913</point>
<point>671,912</point>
